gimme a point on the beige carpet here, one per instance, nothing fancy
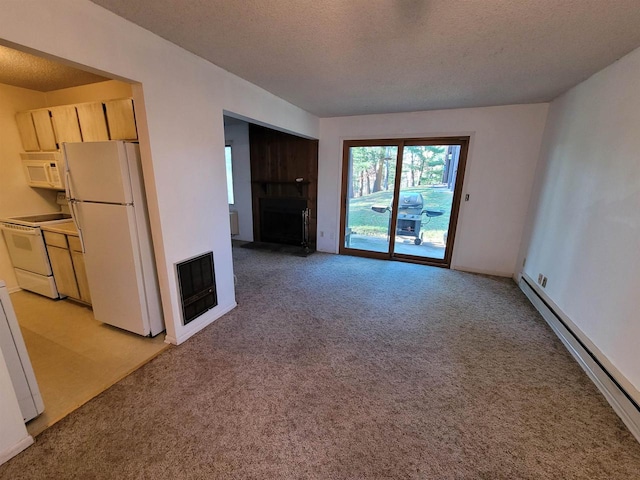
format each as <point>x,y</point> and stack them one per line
<point>74,356</point>
<point>346,368</point>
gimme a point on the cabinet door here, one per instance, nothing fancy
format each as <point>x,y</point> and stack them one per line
<point>81,276</point>
<point>55,239</point>
<point>27,132</point>
<point>93,123</point>
<point>63,272</point>
<point>44,129</point>
<point>121,119</point>
<point>65,124</point>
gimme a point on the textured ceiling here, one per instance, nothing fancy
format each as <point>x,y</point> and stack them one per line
<point>347,57</point>
<point>35,73</point>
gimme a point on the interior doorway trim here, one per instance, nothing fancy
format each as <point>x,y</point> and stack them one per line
<point>400,144</point>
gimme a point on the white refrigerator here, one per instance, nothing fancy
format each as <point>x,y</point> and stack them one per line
<point>107,202</point>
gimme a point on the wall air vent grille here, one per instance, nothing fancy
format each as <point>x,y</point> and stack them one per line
<point>46,156</point>
<point>197,283</point>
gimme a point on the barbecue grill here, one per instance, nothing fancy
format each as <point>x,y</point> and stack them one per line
<point>410,211</point>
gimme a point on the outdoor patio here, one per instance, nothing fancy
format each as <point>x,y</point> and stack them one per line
<point>403,245</point>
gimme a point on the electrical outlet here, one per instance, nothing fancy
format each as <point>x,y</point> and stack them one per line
<point>544,282</point>
<point>540,279</point>
<point>321,234</point>
<point>466,197</point>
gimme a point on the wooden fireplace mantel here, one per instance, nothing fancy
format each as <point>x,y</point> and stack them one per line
<point>264,184</point>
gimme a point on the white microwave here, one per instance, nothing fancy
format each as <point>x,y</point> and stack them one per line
<point>43,169</point>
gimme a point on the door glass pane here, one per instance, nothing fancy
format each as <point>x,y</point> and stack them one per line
<point>425,199</point>
<point>370,184</point>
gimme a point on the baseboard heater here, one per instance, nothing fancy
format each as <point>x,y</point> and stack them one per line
<point>625,406</point>
<point>197,283</point>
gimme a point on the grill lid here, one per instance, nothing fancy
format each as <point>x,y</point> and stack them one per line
<point>410,200</point>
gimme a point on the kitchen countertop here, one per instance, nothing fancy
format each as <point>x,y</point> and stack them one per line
<point>66,228</point>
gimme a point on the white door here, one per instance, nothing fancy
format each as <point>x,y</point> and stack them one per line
<point>13,349</point>
<point>98,172</point>
<point>113,264</point>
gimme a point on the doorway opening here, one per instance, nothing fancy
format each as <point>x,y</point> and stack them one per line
<point>274,187</point>
<point>401,197</point>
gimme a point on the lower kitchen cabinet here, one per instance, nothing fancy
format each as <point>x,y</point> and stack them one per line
<point>77,258</point>
<point>67,263</point>
<point>63,271</point>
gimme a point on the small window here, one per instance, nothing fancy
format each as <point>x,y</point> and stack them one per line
<point>227,158</point>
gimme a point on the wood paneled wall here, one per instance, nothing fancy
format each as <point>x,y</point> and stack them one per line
<point>277,160</point>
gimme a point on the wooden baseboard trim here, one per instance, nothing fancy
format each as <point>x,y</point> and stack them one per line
<point>620,400</point>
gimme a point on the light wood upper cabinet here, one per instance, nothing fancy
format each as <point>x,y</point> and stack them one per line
<point>47,128</point>
<point>92,122</point>
<point>27,132</point>
<point>65,124</point>
<point>121,119</point>
<point>44,129</point>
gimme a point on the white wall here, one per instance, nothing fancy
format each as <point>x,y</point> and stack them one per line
<point>182,137</point>
<point>237,135</point>
<point>16,197</point>
<point>93,92</point>
<point>504,149</point>
<point>584,231</point>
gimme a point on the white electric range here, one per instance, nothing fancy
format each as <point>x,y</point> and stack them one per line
<point>28,252</point>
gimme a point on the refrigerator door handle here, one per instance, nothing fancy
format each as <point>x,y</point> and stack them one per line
<point>70,199</point>
<point>67,174</point>
<point>76,221</point>
<point>67,184</point>
<point>72,206</point>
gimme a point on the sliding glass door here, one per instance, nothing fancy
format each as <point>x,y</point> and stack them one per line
<point>401,198</point>
<point>369,197</point>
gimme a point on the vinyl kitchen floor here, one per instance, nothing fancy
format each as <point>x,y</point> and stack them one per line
<point>74,356</point>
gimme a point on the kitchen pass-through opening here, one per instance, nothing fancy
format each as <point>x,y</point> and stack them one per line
<point>76,274</point>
